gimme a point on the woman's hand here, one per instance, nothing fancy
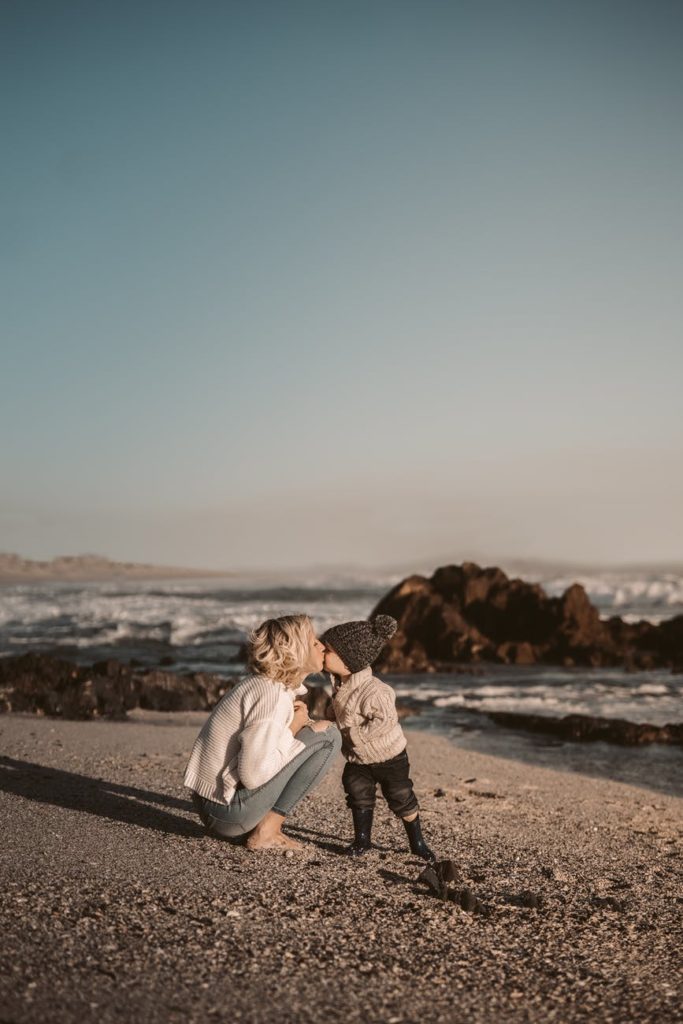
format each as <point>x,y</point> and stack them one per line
<point>319,726</point>
<point>300,717</point>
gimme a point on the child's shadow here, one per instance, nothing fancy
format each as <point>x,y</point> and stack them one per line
<point>332,847</point>
<point>303,833</point>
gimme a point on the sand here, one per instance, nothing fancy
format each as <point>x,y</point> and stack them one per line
<point>91,569</point>
<point>117,907</point>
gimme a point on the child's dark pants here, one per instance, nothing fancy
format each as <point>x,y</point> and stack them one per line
<point>360,784</point>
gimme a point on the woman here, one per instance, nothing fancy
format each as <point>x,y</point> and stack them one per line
<point>258,753</point>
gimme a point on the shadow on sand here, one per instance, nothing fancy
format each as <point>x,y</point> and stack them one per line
<point>127,804</point>
<point>333,843</point>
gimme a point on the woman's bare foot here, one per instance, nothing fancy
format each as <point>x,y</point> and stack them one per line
<point>275,842</point>
<point>268,835</point>
<point>292,844</point>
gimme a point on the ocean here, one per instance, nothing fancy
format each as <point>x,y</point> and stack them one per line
<point>200,625</point>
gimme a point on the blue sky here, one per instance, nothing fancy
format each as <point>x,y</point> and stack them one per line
<point>298,283</point>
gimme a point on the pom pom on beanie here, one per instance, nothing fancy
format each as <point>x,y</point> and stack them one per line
<point>385,626</point>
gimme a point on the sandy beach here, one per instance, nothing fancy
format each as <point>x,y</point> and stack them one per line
<point>117,907</point>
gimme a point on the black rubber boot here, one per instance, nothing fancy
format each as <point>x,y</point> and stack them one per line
<point>416,840</point>
<point>362,828</point>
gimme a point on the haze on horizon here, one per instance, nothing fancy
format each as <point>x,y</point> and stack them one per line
<point>298,284</point>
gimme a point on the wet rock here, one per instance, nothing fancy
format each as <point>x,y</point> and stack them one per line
<point>167,691</point>
<point>516,654</point>
<point>467,614</point>
<point>43,684</point>
<point>589,728</point>
<point>469,902</point>
<point>52,686</point>
<point>440,876</point>
<point>430,876</point>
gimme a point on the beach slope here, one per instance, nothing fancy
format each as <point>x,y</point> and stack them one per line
<point>116,906</point>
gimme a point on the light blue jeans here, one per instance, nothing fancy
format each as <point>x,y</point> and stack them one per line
<point>281,793</point>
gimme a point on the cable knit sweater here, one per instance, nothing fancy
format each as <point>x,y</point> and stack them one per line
<point>365,709</point>
<point>245,741</point>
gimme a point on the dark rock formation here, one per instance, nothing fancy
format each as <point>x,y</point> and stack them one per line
<point>51,686</point>
<point>587,728</point>
<point>47,685</point>
<point>466,614</point>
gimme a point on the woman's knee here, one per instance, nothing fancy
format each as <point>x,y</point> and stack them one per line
<point>334,737</point>
<point>228,830</point>
<point>329,737</point>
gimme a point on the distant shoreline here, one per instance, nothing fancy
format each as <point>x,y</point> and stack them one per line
<point>88,568</point>
<point>93,569</point>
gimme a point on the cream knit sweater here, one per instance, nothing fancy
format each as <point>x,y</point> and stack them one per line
<point>245,741</point>
<point>365,709</point>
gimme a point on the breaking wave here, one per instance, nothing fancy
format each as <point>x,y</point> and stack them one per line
<point>194,626</point>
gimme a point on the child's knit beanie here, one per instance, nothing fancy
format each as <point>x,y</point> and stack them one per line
<point>358,644</point>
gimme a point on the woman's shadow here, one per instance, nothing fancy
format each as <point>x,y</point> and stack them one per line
<point>97,796</point>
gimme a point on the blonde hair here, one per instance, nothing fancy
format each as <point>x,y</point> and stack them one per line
<point>279,648</point>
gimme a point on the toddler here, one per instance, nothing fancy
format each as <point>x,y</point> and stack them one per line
<point>373,742</point>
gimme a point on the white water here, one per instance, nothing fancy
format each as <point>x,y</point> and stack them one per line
<point>652,596</point>
<point>654,696</point>
<point>200,625</point>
